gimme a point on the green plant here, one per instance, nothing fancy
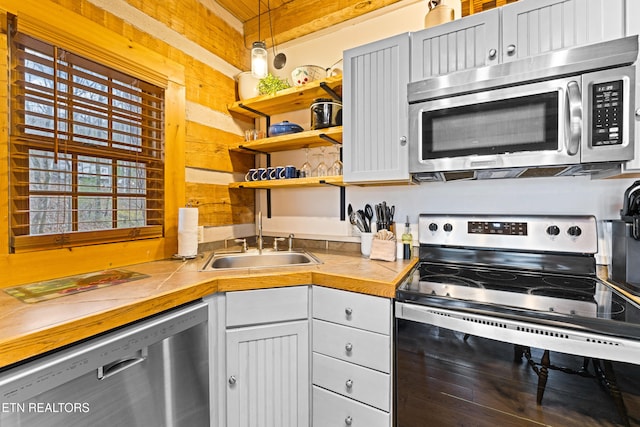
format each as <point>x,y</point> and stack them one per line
<point>271,84</point>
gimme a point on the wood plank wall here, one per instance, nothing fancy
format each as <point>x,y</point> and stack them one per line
<point>206,144</point>
<point>469,7</point>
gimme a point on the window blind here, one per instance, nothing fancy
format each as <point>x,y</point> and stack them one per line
<point>86,151</point>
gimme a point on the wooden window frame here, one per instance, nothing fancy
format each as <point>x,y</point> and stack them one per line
<point>49,22</point>
<point>83,103</point>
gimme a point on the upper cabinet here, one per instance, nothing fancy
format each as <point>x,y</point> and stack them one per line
<point>375,120</point>
<point>462,44</point>
<point>517,30</point>
<point>533,27</point>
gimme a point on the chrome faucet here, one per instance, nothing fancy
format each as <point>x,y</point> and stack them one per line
<point>259,241</point>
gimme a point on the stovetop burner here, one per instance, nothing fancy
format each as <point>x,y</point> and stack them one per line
<point>531,294</point>
<point>525,290</point>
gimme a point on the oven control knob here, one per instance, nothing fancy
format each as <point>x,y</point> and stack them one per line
<point>553,230</point>
<point>574,231</point>
<point>433,226</point>
<point>447,227</point>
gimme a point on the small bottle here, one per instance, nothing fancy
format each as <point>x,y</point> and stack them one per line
<point>407,240</point>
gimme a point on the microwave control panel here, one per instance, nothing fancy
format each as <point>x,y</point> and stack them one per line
<point>607,113</point>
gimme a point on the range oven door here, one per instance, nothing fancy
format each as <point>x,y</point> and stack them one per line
<point>451,377</point>
<point>579,119</point>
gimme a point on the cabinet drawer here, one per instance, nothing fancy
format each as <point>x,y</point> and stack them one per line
<point>352,345</point>
<point>267,305</point>
<point>362,384</point>
<point>330,409</point>
<point>352,309</point>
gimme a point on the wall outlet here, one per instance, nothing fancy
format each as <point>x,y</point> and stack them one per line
<point>200,233</point>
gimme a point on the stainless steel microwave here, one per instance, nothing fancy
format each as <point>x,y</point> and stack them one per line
<point>570,107</point>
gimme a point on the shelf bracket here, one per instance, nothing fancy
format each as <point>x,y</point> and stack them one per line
<point>259,113</point>
<point>329,139</point>
<point>330,91</point>
<point>253,150</point>
<point>342,197</point>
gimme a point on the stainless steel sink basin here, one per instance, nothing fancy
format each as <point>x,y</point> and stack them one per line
<point>253,259</point>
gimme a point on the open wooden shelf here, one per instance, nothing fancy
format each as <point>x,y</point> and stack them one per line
<point>286,100</point>
<point>291,183</point>
<point>293,141</point>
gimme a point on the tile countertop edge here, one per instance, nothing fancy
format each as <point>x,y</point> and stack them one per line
<point>20,346</point>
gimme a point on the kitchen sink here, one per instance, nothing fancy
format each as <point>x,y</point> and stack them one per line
<point>254,259</point>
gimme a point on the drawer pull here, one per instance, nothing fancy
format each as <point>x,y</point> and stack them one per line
<point>348,421</point>
<point>348,347</point>
<point>232,380</point>
<point>349,384</point>
<point>348,311</point>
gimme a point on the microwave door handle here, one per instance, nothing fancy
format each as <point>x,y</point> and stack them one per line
<point>573,118</point>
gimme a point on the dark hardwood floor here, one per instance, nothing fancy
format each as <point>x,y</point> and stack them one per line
<point>445,380</point>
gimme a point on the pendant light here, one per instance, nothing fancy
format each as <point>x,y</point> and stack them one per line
<point>259,54</point>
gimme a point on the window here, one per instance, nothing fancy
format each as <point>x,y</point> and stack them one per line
<point>86,151</point>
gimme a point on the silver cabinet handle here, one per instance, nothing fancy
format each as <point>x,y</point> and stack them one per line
<point>638,112</point>
<point>348,420</point>
<point>511,49</point>
<point>348,347</point>
<point>493,53</point>
<point>349,384</point>
<point>403,140</point>
<point>348,311</point>
<point>232,379</point>
<point>573,123</point>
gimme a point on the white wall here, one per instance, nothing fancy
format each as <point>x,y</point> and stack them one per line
<point>315,211</point>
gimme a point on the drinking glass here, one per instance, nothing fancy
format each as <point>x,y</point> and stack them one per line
<point>336,166</point>
<point>305,169</point>
<point>321,169</point>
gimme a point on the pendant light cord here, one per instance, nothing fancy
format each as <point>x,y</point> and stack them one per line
<point>273,43</point>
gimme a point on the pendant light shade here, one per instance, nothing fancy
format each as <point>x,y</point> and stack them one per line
<point>259,60</point>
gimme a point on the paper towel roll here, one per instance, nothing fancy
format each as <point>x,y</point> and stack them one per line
<point>188,232</point>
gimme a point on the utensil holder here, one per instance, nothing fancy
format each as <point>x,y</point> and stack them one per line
<point>365,243</point>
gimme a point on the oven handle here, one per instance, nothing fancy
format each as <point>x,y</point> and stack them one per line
<point>554,338</point>
<point>573,123</point>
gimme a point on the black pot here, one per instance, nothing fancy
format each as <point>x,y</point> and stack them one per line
<point>325,113</point>
<point>630,212</point>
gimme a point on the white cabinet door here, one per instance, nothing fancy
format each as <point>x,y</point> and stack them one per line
<point>333,410</point>
<point>353,309</point>
<point>352,345</point>
<point>353,381</point>
<point>462,44</point>
<point>375,111</point>
<point>267,306</point>
<point>531,27</point>
<point>268,377</point>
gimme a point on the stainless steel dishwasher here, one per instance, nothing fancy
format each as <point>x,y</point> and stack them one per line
<point>154,372</point>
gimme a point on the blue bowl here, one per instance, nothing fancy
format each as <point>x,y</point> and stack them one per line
<point>284,128</point>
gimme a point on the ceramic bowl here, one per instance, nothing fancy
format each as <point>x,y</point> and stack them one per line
<point>307,73</point>
<point>247,85</point>
<point>284,128</point>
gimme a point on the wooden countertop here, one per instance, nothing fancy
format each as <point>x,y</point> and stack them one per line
<point>27,330</point>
